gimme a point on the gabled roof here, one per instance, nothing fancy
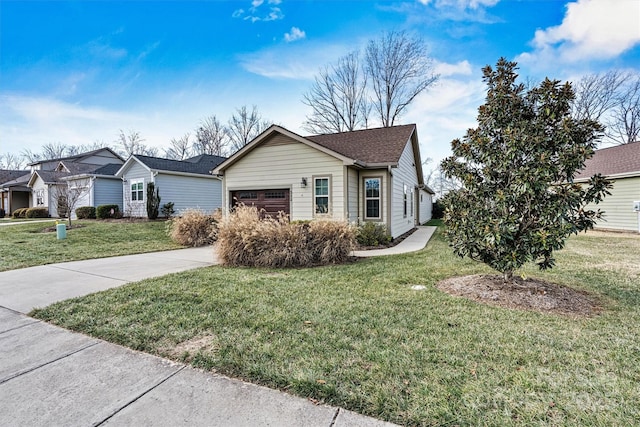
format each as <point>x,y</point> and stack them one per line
<point>78,157</point>
<point>621,160</point>
<point>199,165</point>
<point>48,177</point>
<point>378,147</point>
<point>371,146</point>
<point>7,175</point>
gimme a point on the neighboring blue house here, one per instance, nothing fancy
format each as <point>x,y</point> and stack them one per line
<point>187,183</point>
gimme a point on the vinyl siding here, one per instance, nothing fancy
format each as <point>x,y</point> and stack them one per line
<point>40,185</point>
<point>134,172</point>
<point>404,174</point>
<point>281,163</point>
<point>102,158</point>
<point>426,206</point>
<point>189,192</point>
<point>107,191</point>
<point>618,206</point>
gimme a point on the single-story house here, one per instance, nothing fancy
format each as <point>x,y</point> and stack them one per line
<point>621,164</point>
<point>365,175</point>
<point>187,183</point>
<point>14,193</point>
<point>93,184</point>
<point>48,177</point>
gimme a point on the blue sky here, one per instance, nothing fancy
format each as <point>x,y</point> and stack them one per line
<point>79,71</point>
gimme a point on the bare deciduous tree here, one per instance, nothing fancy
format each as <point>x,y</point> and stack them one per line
<point>624,123</point>
<point>11,161</point>
<point>179,148</point>
<point>399,69</point>
<point>338,98</point>
<point>612,98</point>
<point>212,137</point>
<point>596,94</point>
<point>244,126</point>
<point>132,143</point>
<point>67,194</point>
<point>56,150</point>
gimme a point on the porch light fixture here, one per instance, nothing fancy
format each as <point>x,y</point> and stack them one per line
<point>303,182</point>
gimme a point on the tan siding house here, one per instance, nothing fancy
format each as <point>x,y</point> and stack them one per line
<point>621,164</point>
<point>350,176</point>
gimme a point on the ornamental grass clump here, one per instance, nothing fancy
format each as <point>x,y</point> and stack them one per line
<point>246,238</point>
<point>193,227</point>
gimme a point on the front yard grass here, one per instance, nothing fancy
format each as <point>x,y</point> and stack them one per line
<point>358,336</point>
<point>26,245</point>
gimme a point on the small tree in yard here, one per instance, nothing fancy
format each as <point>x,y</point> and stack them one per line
<point>67,194</point>
<point>153,201</point>
<point>518,202</point>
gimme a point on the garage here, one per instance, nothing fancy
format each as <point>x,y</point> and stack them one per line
<point>272,201</point>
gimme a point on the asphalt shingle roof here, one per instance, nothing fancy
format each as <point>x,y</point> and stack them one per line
<point>613,161</point>
<point>202,164</point>
<point>7,175</point>
<point>379,145</point>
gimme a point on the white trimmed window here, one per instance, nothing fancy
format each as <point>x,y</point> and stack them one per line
<point>40,197</point>
<point>404,198</point>
<point>411,196</point>
<point>372,198</point>
<point>137,191</point>
<point>321,195</point>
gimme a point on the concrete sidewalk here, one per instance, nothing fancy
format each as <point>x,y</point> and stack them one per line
<point>416,241</point>
<point>50,376</point>
<point>28,288</point>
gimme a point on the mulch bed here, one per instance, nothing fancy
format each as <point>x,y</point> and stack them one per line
<point>522,294</point>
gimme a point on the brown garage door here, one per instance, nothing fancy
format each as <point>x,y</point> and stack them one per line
<point>272,201</point>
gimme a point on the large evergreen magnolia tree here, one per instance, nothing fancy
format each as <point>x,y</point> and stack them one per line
<point>518,202</point>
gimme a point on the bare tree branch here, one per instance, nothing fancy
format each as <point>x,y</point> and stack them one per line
<point>338,98</point>
<point>244,126</point>
<point>179,148</point>
<point>133,143</point>
<point>212,137</point>
<point>11,161</point>
<point>624,124</point>
<point>399,70</point>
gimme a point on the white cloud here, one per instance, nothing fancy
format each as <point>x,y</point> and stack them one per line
<point>444,69</point>
<point>295,34</point>
<point>292,61</point>
<point>444,113</point>
<point>254,14</point>
<point>591,29</point>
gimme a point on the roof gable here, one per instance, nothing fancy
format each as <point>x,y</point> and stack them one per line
<point>370,146</point>
<point>618,160</point>
<point>198,165</point>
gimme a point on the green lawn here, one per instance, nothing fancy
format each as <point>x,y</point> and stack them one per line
<point>359,337</point>
<point>25,245</point>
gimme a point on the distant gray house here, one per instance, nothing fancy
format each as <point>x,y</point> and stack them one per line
<point>47,178</point>
<point>14,193</point>
<point>96,183</point>
<point>187,183</point>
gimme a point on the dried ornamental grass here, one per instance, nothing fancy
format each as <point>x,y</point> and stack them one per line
<point>247,239</point>
<point>193,227</point>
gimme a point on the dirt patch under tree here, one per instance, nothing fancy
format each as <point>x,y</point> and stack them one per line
<point>523,294</point>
